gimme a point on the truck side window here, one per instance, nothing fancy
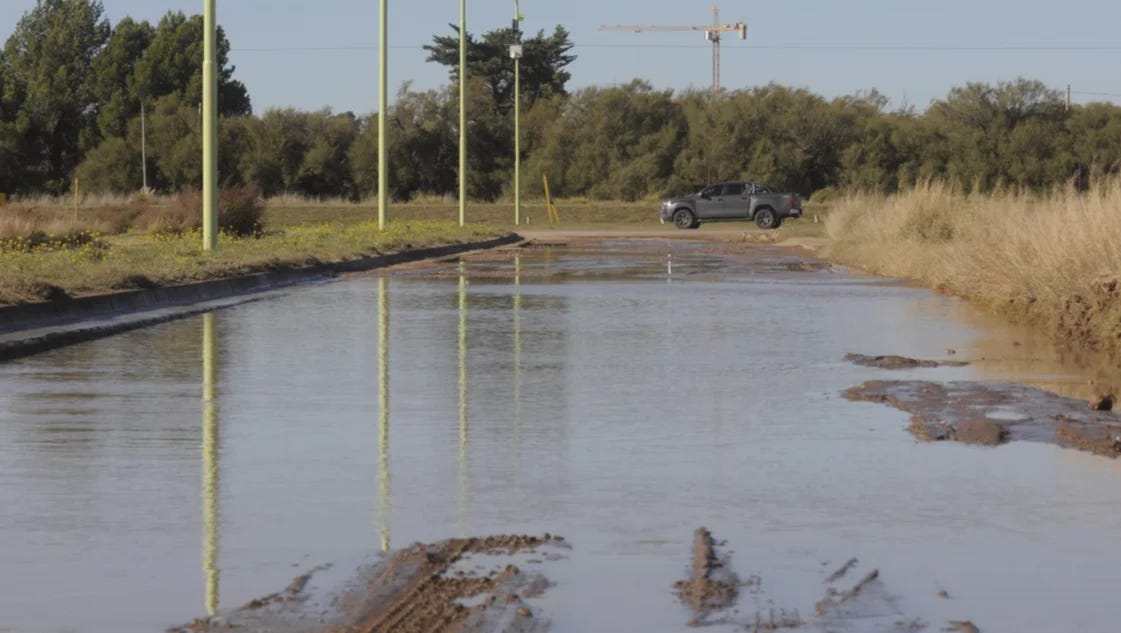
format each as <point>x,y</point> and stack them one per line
<point>711,192</point>
<point>734,189</point>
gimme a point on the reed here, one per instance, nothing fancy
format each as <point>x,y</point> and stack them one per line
<point>1049,259</point>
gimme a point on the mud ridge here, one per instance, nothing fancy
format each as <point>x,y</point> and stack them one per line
<point>898,362</point>
<point>712,586</point>
<point>424,588</point>
<point>994,413</point>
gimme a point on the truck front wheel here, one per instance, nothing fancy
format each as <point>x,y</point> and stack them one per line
<point>684,219</point>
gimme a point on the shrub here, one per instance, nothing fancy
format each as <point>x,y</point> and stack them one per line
<point>241,210</point>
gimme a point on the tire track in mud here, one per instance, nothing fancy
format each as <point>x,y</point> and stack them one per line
<point>712,592</point>
<point>421,589</point>
<point>712,586</point>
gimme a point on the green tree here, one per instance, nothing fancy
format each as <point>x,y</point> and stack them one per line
<point>113,78</point>
<point>422,143</point>
<point>542,65</point>
<point>276,145</point>
<point>363,157</point>
<point>1094,131</point>
<point>325,170</point>
<point>113,166</point>
<point>174,146</point>
<point>172,64</point>
<point>48,61</point>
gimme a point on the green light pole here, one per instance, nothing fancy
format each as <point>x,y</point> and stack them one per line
<point>516,53</point>
<point>209,129</point>
<point>383,102</point>
<point>462,112</point>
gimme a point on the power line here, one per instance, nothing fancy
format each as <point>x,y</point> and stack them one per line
<point>776,47</point>
<point>1095,94</point>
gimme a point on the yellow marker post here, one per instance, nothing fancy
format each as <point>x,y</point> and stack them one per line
<point>554,217</point>
<point>210,479</point>
<point>75,200</point>
<point>383,402</point>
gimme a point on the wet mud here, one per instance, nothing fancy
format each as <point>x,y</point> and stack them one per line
<point>461,585</point>
<point>854,600</point>
<point>990,414</point>
<point>712,585</point>
<point>898,362</point>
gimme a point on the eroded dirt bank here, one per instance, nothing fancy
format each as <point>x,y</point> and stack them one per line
<point>995,413</point>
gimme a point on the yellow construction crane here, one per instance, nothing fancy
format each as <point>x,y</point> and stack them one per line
<point>712,34</point>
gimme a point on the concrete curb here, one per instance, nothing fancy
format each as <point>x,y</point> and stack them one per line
<point>38,327</point>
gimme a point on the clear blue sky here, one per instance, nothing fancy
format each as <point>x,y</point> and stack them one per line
<point>347,79</point>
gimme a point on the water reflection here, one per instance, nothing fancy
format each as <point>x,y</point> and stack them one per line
<point>383,403</point>
<point>210,474</point>
<point>518,375</point>
<point>463,504</point>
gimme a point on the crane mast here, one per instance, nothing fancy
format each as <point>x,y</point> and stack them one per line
<point>712,34</point>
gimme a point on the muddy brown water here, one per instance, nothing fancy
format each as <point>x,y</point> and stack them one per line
<point>583,390</point>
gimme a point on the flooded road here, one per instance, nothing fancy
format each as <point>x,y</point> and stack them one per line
<point>620,394</point>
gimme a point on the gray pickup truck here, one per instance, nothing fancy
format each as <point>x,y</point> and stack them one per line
<point>733,201</point>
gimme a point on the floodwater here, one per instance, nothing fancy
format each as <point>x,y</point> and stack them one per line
<point>587,391</point>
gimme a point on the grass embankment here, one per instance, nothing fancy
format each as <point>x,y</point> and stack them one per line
<point>44,253</point>
<point>1050,260</point>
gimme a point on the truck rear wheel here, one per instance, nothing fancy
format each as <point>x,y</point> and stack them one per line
<point>684,219</point>
<point>766,219</point>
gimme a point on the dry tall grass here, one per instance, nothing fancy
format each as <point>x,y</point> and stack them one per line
<point>1050,259</point>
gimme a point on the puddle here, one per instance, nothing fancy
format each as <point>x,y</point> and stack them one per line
<point>586,390</point>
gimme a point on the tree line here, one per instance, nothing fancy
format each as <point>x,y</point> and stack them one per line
<point>72,88</point>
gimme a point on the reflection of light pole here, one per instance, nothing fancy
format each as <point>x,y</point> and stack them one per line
<point>210,480</point>
<point>383,398</point>
<point>209,129</point>
<point>462,112</point>
<point>462,394</point>
<point>518,376</point>
<point>516,53</point>
<point>383,103</point>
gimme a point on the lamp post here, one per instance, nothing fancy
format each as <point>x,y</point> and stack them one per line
<point>209,128</point>
<point>462,112</point>
<point>516,54</point>
<point>383,99</point>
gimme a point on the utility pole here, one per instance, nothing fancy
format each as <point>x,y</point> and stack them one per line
<point>383,103</point>
<point>209,129</point>
<point>516,53</point>
<point>462,112</point>
<point>712,34</point>
<point>143,148</point>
